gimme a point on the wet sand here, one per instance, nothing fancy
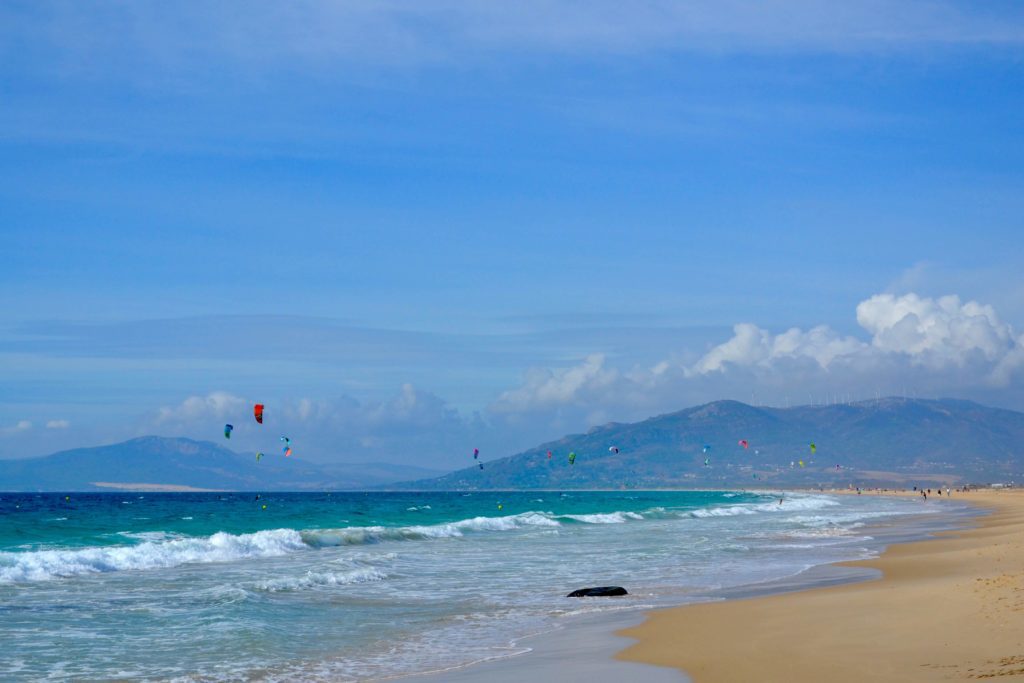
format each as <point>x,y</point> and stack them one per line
<point>582,654</point>
<point>946,609</point>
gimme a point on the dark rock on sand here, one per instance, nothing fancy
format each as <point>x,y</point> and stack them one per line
<point>599,592</point>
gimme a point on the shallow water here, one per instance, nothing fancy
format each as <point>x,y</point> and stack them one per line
<point>349,586</point>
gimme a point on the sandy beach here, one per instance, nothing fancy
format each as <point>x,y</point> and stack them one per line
<point>950,608</point>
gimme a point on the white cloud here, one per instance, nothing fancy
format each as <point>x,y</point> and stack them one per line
<point>935,332</point>
<point>57,424</point>
<point>219,405</point>
<point>21,426</point>
<point>413,426</point>
<point>1010,364</point>
<point>932,333</point>
<point>410,407</point>
<point>751,345</point>
<point>545,387</point>
<point>940,345</point>
<point>910,343</point>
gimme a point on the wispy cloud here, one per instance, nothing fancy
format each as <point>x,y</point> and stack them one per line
<point>17,428</point>
<point>253,37</point>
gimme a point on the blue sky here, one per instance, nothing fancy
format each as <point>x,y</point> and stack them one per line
<point>412,229</point>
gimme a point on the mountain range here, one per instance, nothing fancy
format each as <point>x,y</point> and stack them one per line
<point>163,463</point>
<point>891,441</point>
<point>881,442</point>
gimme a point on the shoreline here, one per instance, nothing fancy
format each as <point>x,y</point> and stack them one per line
<point>947,607</point>
<point>590,649</point>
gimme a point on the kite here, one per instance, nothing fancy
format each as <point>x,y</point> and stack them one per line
<point>814,449</point>
<point>549,455</point>
<point>572,458</point>
<point>614,449</point>
<point>476,453</point>
<point>257,411</point>
<point>287,451</point>
<point>227,431</point>
<point>707,462</point>
<point>259,455</point>
<point>743,442</point>
<point>707,448</point>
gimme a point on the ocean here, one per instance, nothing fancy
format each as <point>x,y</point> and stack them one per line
<point>358,586</point>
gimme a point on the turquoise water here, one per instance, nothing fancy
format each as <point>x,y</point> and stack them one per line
<point>355,586</point>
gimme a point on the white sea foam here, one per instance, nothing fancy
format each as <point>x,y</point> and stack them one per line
<point>788,505</point>
<point>220,547</point>
<point>825,532</point>
<point>158,550</point>
<point>414,598</point>
<point>605,518</point>
<point>313,579</point>
<point>359,535</point>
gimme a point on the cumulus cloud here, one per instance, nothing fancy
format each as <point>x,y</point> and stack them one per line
<point>219,405</point>
<point>919,331</point>
<point>935,332</point>
<point>751,345</point>
<point>57,424</point>
<point>544,387</point>
<point>1010,364</point>
<point>410,408</point>
<point>940,345</point>
<point>908,344</point>
<point>412,426</point>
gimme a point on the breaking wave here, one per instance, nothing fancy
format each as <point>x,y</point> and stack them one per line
<point>40,565</point>
<point>157,550</point>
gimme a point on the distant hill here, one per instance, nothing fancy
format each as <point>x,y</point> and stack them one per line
<point>887,441</point>
<point>178,462</point>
